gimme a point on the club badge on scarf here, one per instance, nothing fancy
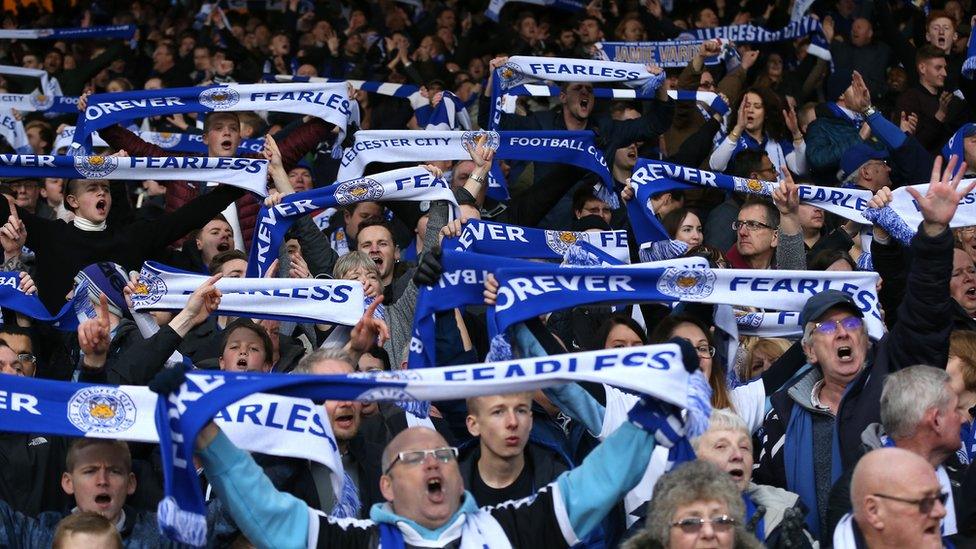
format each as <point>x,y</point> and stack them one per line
<point>277,425</point>
<point>72,33</point>
<point>502,239</point>
<point>527,292</point>
<point>413,184</point>
<point>326,101</point>
<point>656,370</point>
<point>657,176</point>
<point>246,173</point>
<point>569,147</point>
<point>520,70</point>
<point>163,288</point>
<point>778,324</point>
<point>751,34</point>
<point>671,53</point>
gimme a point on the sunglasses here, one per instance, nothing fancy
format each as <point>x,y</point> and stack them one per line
<point>925,504</point>
<point>693,525</point>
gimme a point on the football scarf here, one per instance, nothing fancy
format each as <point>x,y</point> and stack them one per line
<point>956,144</point>
<point>245,173</point>
<point>74,33</point>
<point>521,69</point>
<point>668,54</point>
<point>712,99</point>
<point>751,34</point>
<point>969,65</point>
<point>403,91</point>
<point>525,292</point>
<point>12,130</point>
<point>193,143</point>
<point>63,140</point>
<point>567,147</point>
<point>49,85</point>
<point>279,425</point>
<point>30,305</point>
<point>778,324</point>
<point>412,184</point>
<point>31,102</point>
<point>326,101</point>
<point>655,370</point>
<point>655,176</point>
<point>502,239</point>
<point>449,114</point>
<point>163,288</point>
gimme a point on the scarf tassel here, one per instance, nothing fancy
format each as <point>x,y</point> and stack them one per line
<point>699,405</point>
<point>182,526</point>
<point>500,349</point>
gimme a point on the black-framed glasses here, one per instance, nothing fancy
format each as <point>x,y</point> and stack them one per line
<point>750,225</point>
<point>705,351</point>
<point>693,525</point>
<point>925,504</point>
<point>414,457</point>
<point>828,327</point>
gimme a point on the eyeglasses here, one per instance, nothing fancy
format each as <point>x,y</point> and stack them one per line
<point>27,357</point>
<point>925,504</point>
<point>705,351</point>
<point>413,457</point>
<point>828,327</point>
<point>706,85</point>
<point>693,525</point>
<point>750,225</point>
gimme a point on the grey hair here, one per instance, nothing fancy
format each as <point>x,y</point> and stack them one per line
<point>351,261</point>
<point>807,339</point>
<point>319,355</point>
<point>690,482</point>
<point>723,420</point>
<point>906,396</point>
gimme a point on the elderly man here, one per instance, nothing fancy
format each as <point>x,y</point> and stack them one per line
<point>865,167</point>
<point>897,501</point>
<point>819,417</point>
<point>427,505</point>
<point>919,413</point>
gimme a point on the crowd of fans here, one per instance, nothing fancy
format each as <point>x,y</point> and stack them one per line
<point>826,438</point>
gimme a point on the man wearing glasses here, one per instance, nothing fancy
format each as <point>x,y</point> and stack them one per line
<point>897,500</point>
<point>813,429</point>
<point>919,413</point>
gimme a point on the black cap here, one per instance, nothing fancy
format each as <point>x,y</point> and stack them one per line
<point>819,304</point>
<point>588,222</point>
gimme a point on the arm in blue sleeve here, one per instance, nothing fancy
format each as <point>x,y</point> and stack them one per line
<point>267,517</point>
<point>572,399</point>
<point>610,471</point>
<point>891,134</point>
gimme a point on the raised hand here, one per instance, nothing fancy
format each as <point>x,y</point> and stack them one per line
<point>204,301</point>
<point>942,198</point>
<point>26,284</point>
<point>491,290</point>
<point>94,337</point>
<point>365,333</point>
<point>787,200</point>
<point>13,234</point>
<point>480,154</point>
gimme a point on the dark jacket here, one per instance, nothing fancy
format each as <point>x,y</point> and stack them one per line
<point>30,479</point>
<point>21,531</point>
<point>827,138</point>
<point>544,463</point>
<point>119,371</point>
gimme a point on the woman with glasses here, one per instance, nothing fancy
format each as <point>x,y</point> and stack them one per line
<point>762,122</point>
<point>696,505</point>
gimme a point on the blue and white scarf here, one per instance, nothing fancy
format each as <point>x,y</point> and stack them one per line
<point>163,288</point>
<point>193,142</point>
<point>389,89</point>
<point>12,130</point>
<point>855,119</point>
<point>449,114</point>
<point>669,53</point>
<point>773,324</point>
<point>31,102</point>
<point>655,370</point>
<point>751,34</point>
<point>956,145</point>
<point>568,147</point>
<point>30,305</point>
<point>520,70</point>
<point>326,101</point>
<point>62,142</point>
<point>526,292</point>
<point>969,65</point>
<point>71,33</point>
<point>654,176</point>
<point>413,184</point>
<point>800,9</point>
<point>277,425</point>
<point>502,239</point>
<point>245,173</point>
<point>49,85</point>
<point>495,6</point>
<point>712,99</point>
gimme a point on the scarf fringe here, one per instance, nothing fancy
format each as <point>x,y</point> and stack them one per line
<point>699,405</point>
<point>499,350</point>
<point>179,525</point>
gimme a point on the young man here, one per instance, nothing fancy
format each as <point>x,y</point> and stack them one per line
<point>505,465</point>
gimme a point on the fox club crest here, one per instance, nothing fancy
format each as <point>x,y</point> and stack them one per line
<point>472,139</point>
<point>684,283</point>
<point>358,190</point>
<point>219,98</point>
<point>95,167</point>
<point>149,289</point>
<point>166,140</point>
<point>41,102</point>
<point>752,186</point>
<point>560,241</point>
<point>101,409</point>
<point>511,75</point>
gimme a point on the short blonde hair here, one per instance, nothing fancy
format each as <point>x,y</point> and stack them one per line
<point>351,261</point>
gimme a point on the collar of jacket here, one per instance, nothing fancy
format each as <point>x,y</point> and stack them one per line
<point>383,513</point>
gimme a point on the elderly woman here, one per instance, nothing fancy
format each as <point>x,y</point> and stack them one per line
<point>696,505</point>
<point>771,513</point>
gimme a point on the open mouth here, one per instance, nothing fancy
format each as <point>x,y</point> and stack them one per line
<point>344,421</point>
<point>103,500</point>
<point>737,474</point>
<point>242,363</point>
<point>584,103</point>
<point>378,259</point>
<point>223,247</point>
<point>845,354</point>
<point>971,293</point>
<point>227,144</point>
<point>435,489</point>
<point>101,205</point>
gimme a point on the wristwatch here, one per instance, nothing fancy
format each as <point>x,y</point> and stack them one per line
<point>869,111</point>
<point>480,180</point>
